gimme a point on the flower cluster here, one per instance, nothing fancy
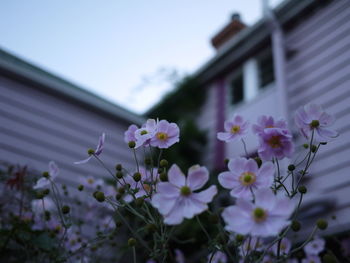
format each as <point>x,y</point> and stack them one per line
<point>155,133</point>
<point>147,203</point>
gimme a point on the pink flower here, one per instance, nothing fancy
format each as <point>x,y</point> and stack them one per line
<point>311,259</point>
<point>145,133</point>
<point>44,181</point>
<point>129,135</point>
<point>315,246</point>
<point>166,134</point>
<point>97,151</point>
<point>266,217</point>
<point>91,182</point>
<point>267,122</point>
<point>244,176</point>
<point>235,129</point>
<point>275,143</point>
<point>179,256</point>
<point>176,199</point>
<point>311,118</point>
<point>285,247</point>
<point>219,257</point>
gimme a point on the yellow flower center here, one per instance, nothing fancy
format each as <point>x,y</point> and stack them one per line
<point>235,129</point>
<point>162,136</point>
<point>185,191</point>
<point>90,181</point>
<point>314,124</point>
<point>275,141</point>
<point>259,215</point>
<point>143,132</point>
<point>247,178</point>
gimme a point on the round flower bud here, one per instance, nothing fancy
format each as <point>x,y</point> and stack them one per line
<point>139,201</point>
<point>46,191</point>
<point>239,238</point>
<point>65,209</point>
<point>148,161</point>
<point>295,225</point>
<point>163,177</point>
<point>100,196</point>
<point>119,175</point>
<point>291,167</point>
<point>81,187</point>
<point>302,189</point>
<point>121,190</point>
<point>258,161</point>
<point>329,258</point>
<point>119,167</point>
<point>46,174</point>
<point>151,228</point>
<point>313,148</point>
<point>90,151</point>
<point>214,219</point>
<point>305,145</point>
<point>40,195</point>
<point>132,144</point>
<point>137,177</point>
<point>322,224</point>
<point>163,163</point>
<point>118,196</point>
<point>132,242</point>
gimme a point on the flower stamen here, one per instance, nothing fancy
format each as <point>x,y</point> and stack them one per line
<point>235,129</point>
<point>275,142</point>
<point>247,178</point>
<point>185,191</point>
<point>259,215</point>
<point>162,136</point>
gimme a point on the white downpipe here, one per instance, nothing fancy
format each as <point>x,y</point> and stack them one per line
<point>279,60</point>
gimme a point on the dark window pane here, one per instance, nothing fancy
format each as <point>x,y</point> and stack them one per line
<point>237,90</point>
<point>266,69</point>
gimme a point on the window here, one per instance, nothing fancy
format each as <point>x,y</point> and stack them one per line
<point>237,89</point>
<point>266,69</point>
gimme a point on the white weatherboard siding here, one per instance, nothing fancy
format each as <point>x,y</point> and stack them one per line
<point>320,72</point>
<point>37,127</point>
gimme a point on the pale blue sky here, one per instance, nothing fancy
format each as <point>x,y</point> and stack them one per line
<point>110,47</point>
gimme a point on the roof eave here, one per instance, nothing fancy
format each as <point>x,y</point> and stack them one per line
<point>53,84</point>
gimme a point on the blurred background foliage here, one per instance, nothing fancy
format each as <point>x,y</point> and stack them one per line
<point>181,106</point>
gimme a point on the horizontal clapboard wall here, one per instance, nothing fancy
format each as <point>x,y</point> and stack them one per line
<point>37,127</point>
<point>320,72</point>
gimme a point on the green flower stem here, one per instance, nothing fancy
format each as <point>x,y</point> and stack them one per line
<point>202,227</point>
<point>143,243</point>
<point>245,147</point>
<point>305,242</point>
<point>106,168</point>
<point>134,254</point>
<point>137,162</point>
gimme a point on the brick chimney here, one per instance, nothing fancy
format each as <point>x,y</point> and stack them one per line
<point>229,31</point>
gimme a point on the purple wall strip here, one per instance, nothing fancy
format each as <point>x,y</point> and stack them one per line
<point>220,118</point>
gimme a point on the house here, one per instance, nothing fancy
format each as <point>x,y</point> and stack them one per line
<point>298,53</point>
<point>44,118</point>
